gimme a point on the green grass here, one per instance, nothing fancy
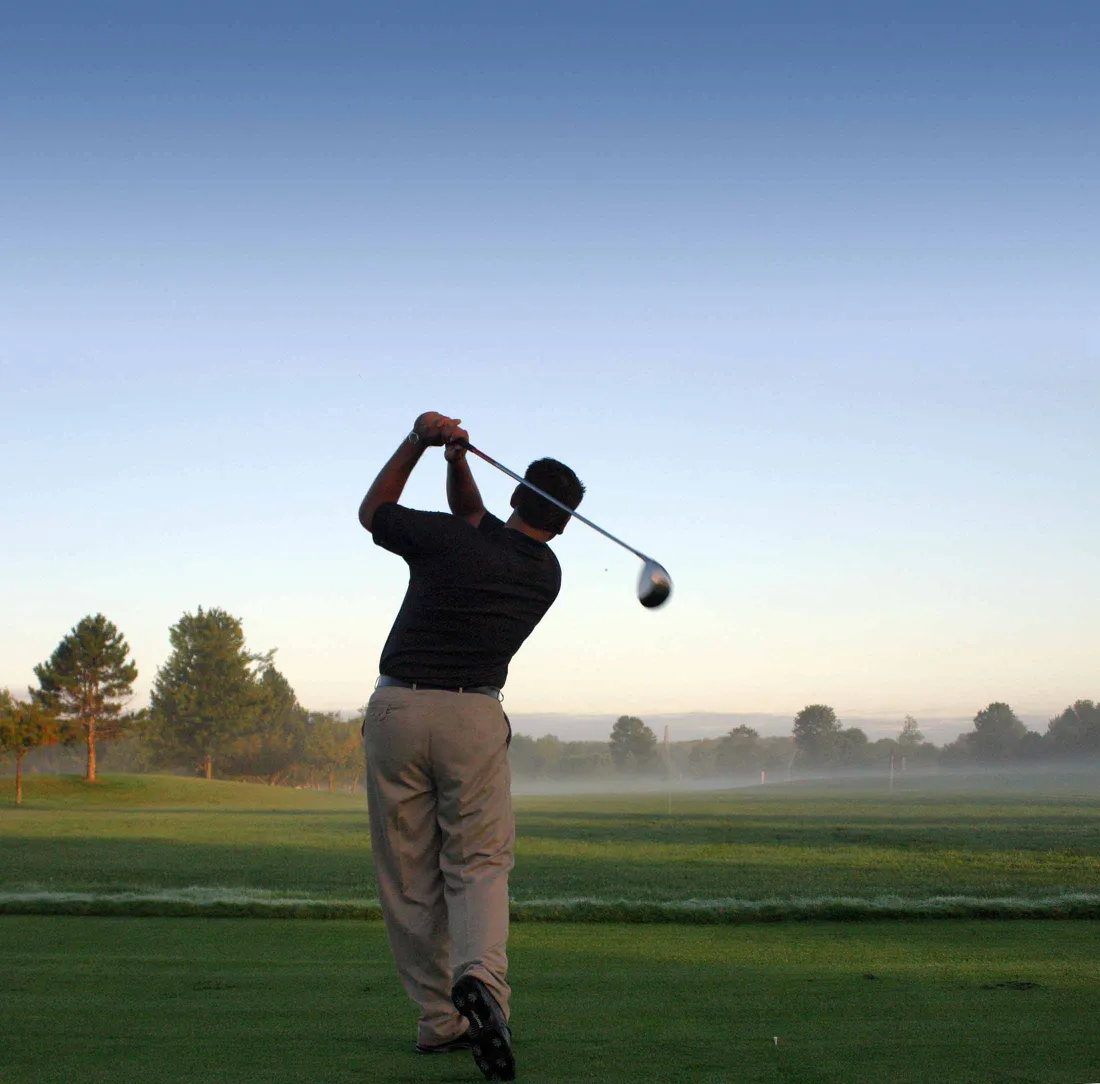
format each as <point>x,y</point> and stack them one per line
<point>934,837</point>
<point>130,1001</point>
<point>243,1001</point>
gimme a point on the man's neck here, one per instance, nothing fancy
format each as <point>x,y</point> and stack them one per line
<point>518,524</point>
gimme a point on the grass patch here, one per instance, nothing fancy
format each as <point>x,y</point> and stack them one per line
<point>240,1002</point>
<point>934,838</point>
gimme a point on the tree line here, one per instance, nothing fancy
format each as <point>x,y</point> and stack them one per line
<point>218,708</point>
<point>819,741</point>
<point>214,706</point>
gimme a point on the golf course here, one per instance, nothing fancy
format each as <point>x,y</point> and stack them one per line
<point>811,932</point>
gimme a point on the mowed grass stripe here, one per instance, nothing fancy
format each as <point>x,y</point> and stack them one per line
<point>197,902</point>
<point>934,838</point>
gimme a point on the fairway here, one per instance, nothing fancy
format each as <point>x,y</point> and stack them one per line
<point>246,1001</point>
<point>934,837</point>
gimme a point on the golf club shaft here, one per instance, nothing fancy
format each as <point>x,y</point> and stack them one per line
<point>553,500</point>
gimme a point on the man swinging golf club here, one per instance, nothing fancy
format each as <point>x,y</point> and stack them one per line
<point>438,782</point>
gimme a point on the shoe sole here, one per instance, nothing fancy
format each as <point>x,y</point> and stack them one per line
<point>489,1035</point>
<point>453,1047</point>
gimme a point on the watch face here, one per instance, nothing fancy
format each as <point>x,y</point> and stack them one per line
<point>413,437</point>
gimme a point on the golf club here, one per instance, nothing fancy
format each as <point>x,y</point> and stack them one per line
<point>654,582</point>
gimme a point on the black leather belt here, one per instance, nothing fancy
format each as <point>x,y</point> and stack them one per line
<point>485,690</point>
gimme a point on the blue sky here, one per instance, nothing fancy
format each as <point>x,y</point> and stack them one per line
<point>807,294</point>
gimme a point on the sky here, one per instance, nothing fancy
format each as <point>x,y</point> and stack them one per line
<point>807,294</point>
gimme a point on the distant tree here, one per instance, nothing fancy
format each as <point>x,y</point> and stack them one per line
<point>738,751</point>
<point>205,697</point>
<point>910,737</point>
<point>702,759</point>
<point>880,751</point>
<point>1075,732</point>
<point>777,753</point>
<point>633,745</point>
<point>1030,747</point>
<point>87,682</point>
<point>24,726</point>
<point>523,754</point>
<point>549,751</point>
<point>356,764</point>
<point>549,756</point>
<point>276,744</point>
<point>817,734</point>
<point>584,759</point>
<point>535,756</point>
<point>327,749</point>
<point>852,747</point>
<point>997,733</point>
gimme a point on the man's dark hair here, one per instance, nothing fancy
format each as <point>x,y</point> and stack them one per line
<point>557,480</point>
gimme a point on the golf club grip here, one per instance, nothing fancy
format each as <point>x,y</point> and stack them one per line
<point>542,493</point>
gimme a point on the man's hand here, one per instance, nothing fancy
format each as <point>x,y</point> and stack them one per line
<point>436,429</point>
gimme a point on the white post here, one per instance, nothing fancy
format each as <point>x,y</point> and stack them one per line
<point>763,778</point>
<point>891,774</point>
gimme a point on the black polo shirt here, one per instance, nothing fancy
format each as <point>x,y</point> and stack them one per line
<point>474,595</point>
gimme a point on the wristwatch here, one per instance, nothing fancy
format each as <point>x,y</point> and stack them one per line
<point>413,438</point>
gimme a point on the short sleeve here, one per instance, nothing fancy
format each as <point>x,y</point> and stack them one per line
<point>409,532</point>
<point>490,525</point>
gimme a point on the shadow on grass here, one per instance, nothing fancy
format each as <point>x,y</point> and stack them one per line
<point>641,871</point>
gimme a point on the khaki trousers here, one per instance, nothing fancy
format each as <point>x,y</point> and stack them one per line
<point>443,834</point>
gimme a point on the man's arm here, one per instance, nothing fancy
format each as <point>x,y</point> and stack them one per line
<point>429,429</point>
<point>463,496</point>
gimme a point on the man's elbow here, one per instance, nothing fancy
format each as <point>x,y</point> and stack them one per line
<point>366,516</point>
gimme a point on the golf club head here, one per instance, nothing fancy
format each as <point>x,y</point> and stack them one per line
<point>654,585</point>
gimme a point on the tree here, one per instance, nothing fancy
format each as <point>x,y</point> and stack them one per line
<point>852,747</point>
<point>24,726</point>
<point>997,733</point>
<point>205,696</point>
<point>738,751</point>
<point>910,737</point>
<point>633,745</point>
<point>276,745</point>
<point>817,734</point>
<point>328,747</point>
<point>703,758</point>
<point>1076,732</point>
<point>86,683</point>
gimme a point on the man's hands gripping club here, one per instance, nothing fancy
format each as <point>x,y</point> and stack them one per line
<point>436,429</point>
<point>431,429</point>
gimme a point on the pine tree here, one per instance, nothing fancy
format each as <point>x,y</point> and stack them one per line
<point>205,696</point>
<point>87,682</point>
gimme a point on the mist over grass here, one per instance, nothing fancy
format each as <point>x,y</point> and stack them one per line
<point>1018,780</point>
<point>991,843</point>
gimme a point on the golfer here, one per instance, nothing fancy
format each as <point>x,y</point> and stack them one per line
<point>438,782</point>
